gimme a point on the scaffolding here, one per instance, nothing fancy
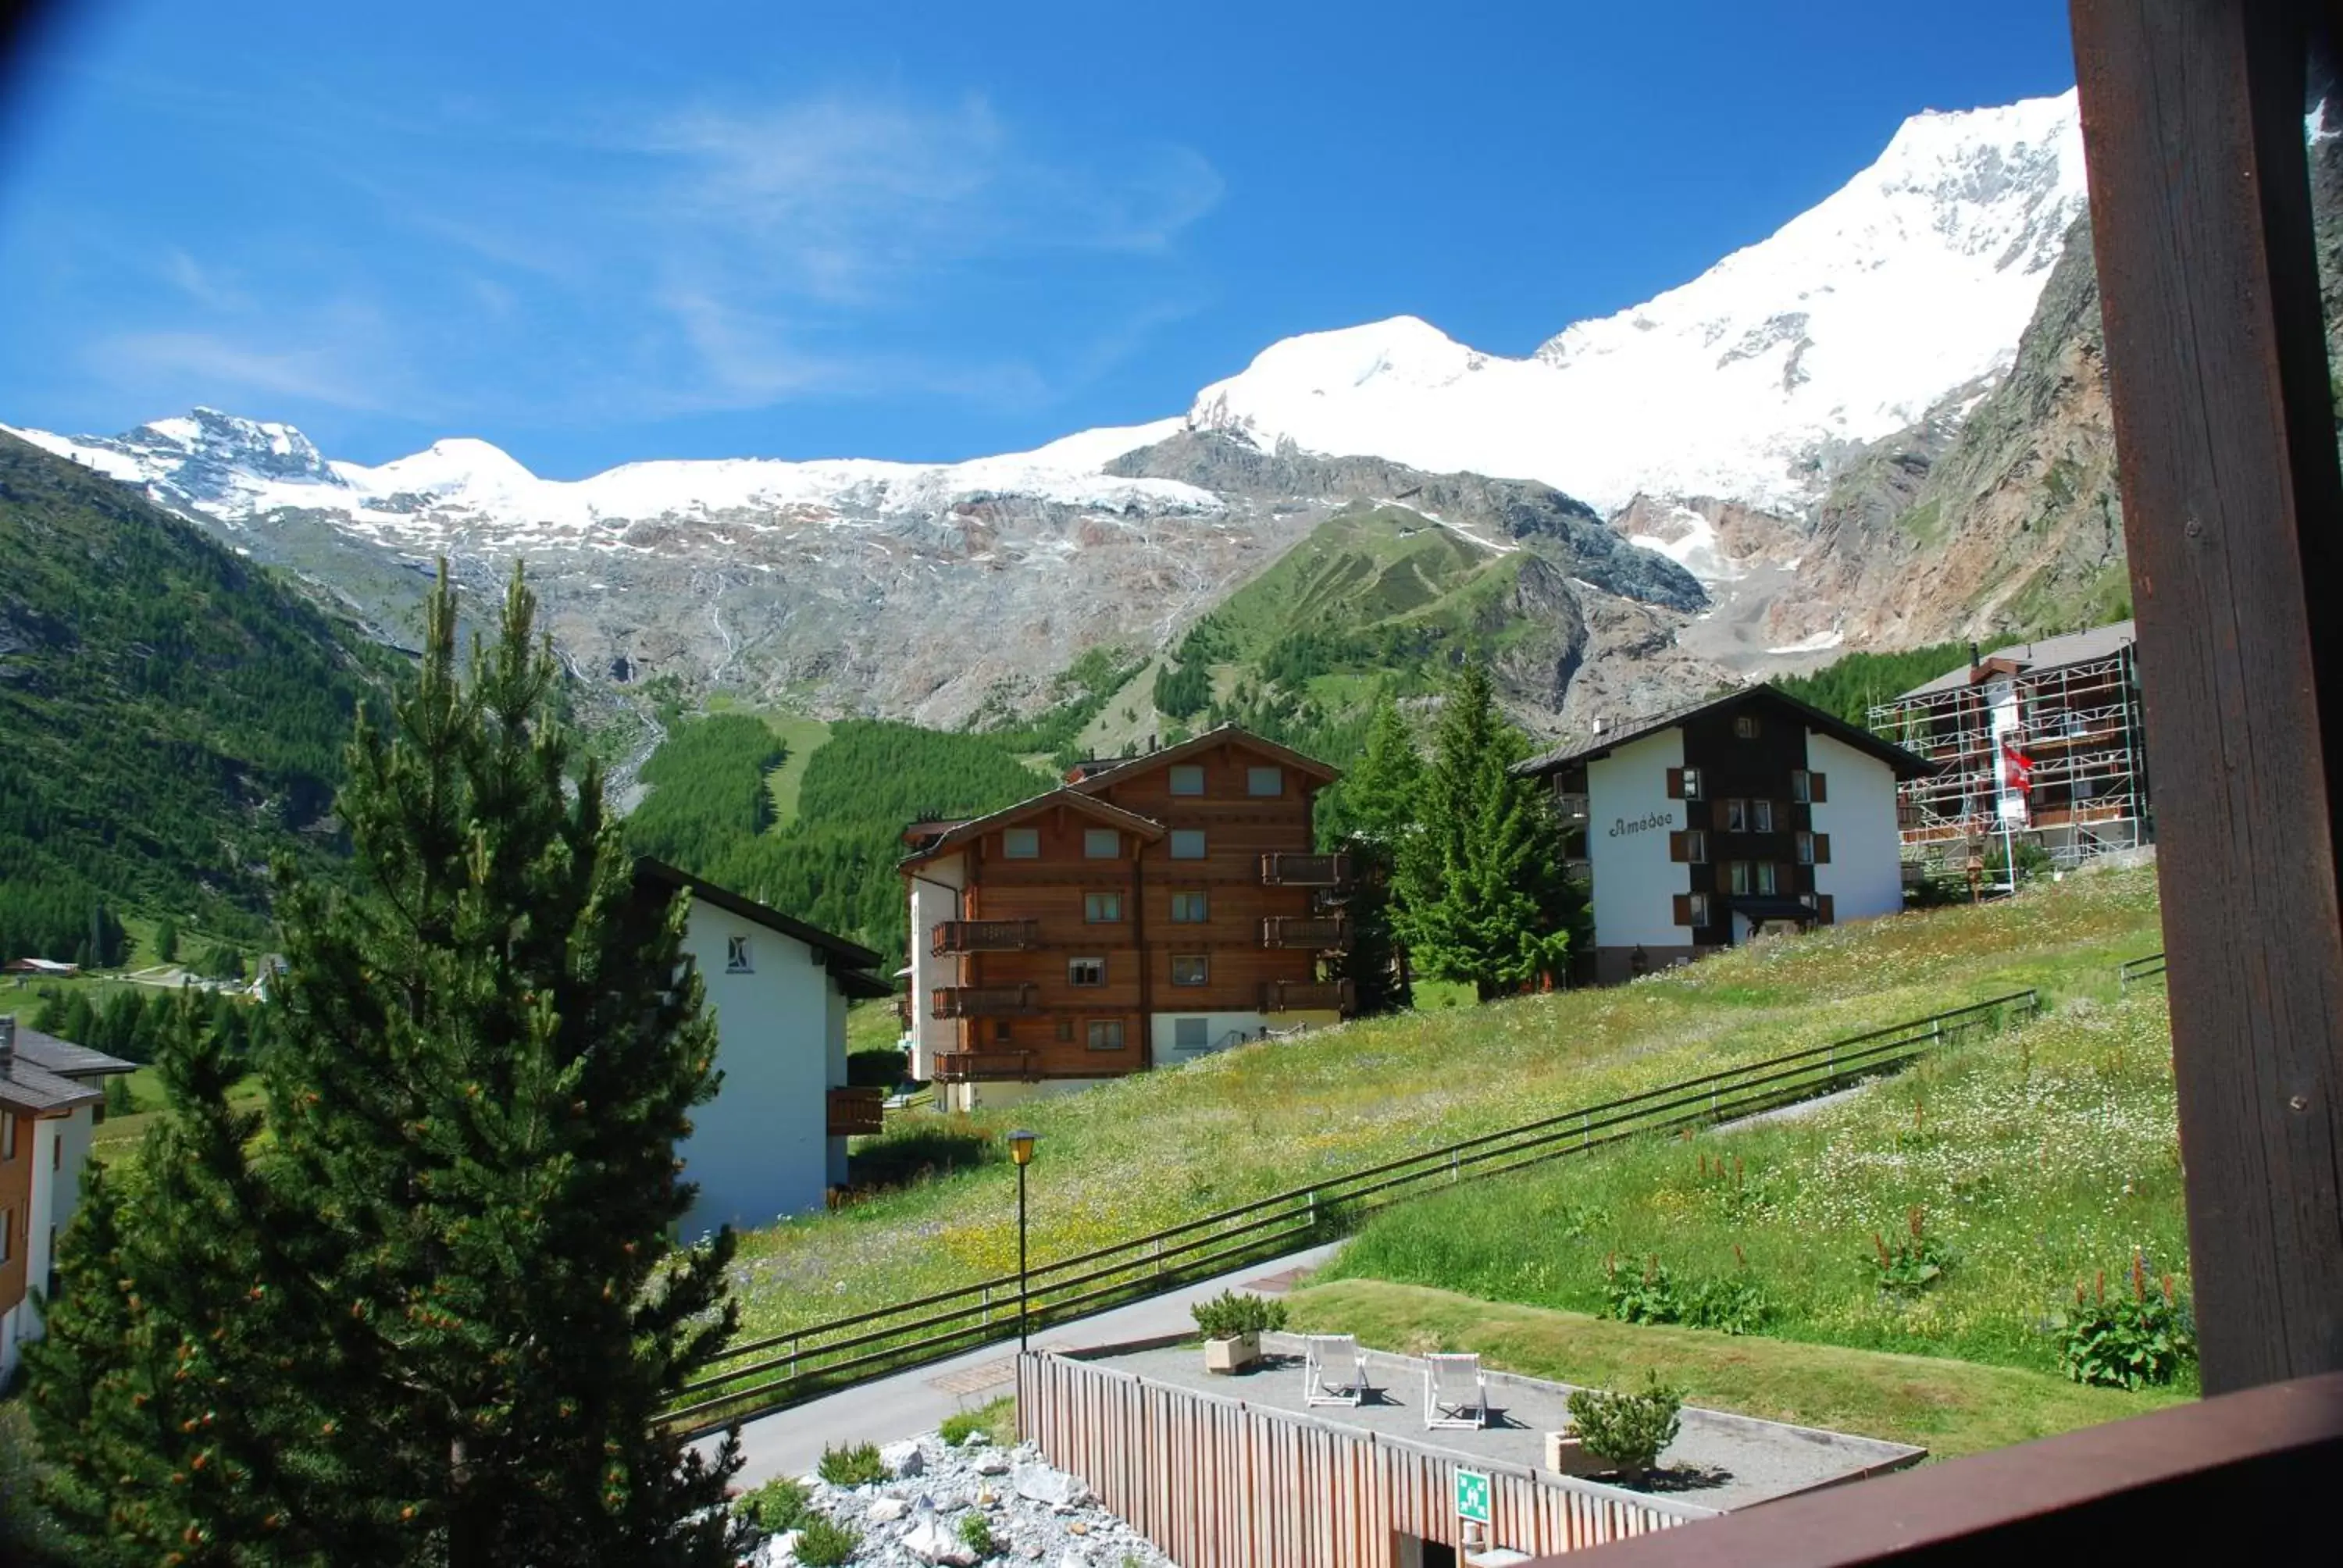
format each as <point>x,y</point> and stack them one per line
<point>2079,723</point>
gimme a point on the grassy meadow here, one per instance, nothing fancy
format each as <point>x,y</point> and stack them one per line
<point>1156,1149</point>
<point>2036,1158</point>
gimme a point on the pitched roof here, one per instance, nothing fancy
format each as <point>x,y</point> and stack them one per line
<point>1905,763</point>
<point>2076,647</point>
<point>1224,735</point>
<point>66,1059</point>
<point>949,835</point>
<point>29,1086</point>
<point>849,956</point>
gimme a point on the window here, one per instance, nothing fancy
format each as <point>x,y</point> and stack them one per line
<point>1001,1033</point>
<point>1191,1033</point>
<point>1106,1034</point>
<point>1696,846</point>
<point>1102,908</point>
<point>1086,971</point>
<point>1798,786</point>
<point>1744,725</point>
<point>1264,781</point>
<point>1765,879</point>
<point>1692,783</point>
<point>1738,873</point>
<point>736,956</point>
<point>1191,969</point>
<point>1187,779</point>
<point>1736,816</point>
<point>1191,909</point>
<point>1761,816</point>
<point>1805,848</point>
<point>1020,843</point>
<point>1187,843</point>
<point>1101,844</point>
<point>1696,910</point>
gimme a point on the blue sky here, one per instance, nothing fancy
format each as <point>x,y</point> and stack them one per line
<point>593,233</point>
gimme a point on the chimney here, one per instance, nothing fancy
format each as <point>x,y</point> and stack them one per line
<point>1598,726</point>
<point>7,1042</point>
<point>1974,659</point>
<point>1150,741</point>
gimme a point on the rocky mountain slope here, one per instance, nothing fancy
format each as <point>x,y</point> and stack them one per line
<point>1753,436</point>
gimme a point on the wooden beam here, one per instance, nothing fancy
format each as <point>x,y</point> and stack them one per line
<point>2233,515</point>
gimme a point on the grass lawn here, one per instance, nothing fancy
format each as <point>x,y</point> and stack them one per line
<point>1949,1407</point>
<point>2040,1158</point>
<point>1156,1149</point>
<point>803,737</point>
<point>117,1137</point>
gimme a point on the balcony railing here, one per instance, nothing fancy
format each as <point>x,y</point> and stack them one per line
<point>1280,870</point>
<point>984,937</point>
<point>1571,808</point>
<point>971,1066</point>
<point>1320,934</point>
<point>857,1110</point>
<point>983,1000</point>
<point>1306,996</point>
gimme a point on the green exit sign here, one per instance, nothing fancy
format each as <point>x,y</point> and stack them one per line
<point>1473,1496</point>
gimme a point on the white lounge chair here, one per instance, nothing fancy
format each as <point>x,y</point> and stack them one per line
<point>1445,1403</point>
<point>1333,1369</point>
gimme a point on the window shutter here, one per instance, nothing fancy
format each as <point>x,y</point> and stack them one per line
<point>1823,907</point>
<point>1679,848</point>
<point>1683,909</point>
<point>1675,784</point>
<point>1821,849</point>
<point>1817,789</point>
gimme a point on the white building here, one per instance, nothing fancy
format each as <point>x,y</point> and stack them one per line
<point>1702,825</point>
<point>773,1140</point>
<point>51,1100</point>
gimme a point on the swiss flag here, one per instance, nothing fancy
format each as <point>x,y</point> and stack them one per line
<point>2016,768</point>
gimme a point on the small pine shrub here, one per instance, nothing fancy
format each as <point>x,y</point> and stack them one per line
<point>780,1504</point>
<point>859,1465</point>
<point>2129,1341</point>
<point>823,1542</point>
<point>976,1534</point>
<point>1914,1263</point>
<point>1228,1315</point>
<point>1629,1430</point>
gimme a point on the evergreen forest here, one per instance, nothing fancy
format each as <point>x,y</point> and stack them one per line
<point>171,717</point>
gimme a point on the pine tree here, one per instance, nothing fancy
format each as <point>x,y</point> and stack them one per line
<point>167,941</point>
<point>1369,814</point>
<point>432,1315</point>
<point>1479,892</point>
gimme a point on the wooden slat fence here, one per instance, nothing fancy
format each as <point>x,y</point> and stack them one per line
<point>2141,969</point>
<point>777,1371</point>
<point>1216,1482</point>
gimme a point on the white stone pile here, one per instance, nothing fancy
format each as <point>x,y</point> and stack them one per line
<point>915,1517</point>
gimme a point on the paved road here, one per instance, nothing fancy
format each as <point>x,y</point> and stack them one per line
<point>911,1402</point>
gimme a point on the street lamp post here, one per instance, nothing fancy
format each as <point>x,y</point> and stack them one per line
<point>1020,1150</point>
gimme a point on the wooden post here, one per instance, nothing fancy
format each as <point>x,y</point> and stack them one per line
<point>2233,515</point>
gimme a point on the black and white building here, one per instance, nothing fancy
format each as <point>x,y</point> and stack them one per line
<point>1701,826</point>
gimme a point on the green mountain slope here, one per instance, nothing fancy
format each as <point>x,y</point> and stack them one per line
<point>170,715</point>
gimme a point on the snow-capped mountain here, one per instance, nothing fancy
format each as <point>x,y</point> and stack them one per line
<point>1707,422</point>
<point>1910,282</point>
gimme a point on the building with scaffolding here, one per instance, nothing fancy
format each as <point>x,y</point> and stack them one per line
<point>2039,741</point>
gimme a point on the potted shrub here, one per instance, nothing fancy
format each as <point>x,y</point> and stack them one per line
<point>1232,1325</point>
<point>1629,1430</point>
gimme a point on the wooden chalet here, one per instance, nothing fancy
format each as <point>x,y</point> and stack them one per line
<point>1146,912</point>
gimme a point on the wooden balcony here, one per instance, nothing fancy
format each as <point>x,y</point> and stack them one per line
<point>983,1000</point>
<point>1306,996</point>
<point>977,1066</point>
<point>1280,870</point>
<point>1571,808</point>
<point>1317,934</point>
<point>856,1111</point>
<point>984,937</point>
